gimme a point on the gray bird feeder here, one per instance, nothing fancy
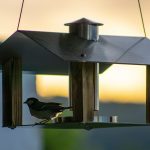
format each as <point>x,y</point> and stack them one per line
<point>82,53</point>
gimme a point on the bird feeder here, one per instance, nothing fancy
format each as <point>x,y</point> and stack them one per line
<point>82,53</point>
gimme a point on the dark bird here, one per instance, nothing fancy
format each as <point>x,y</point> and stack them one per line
<point>46,111</point>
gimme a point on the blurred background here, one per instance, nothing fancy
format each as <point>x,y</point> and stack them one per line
<point>122,87</point>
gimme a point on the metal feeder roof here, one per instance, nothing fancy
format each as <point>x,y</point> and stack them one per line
<point>49,52</point>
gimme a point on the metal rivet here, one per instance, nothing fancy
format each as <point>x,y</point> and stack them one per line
<point>83,55</point>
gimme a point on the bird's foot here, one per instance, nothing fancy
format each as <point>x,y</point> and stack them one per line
<point>43,122</point>
<point>36,123</point>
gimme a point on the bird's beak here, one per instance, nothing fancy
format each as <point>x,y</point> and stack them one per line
<point>25,102</point>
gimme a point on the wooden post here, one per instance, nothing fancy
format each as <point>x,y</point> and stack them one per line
<point>147,94</point>
<point>82,94</point>
<point>12,93</point>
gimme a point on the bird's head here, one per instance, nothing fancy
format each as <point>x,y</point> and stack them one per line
<point>31,101</point>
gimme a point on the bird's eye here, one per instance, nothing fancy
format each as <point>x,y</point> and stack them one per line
<point>30,102</point>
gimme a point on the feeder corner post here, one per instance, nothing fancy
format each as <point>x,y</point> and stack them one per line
<point>12,92</point>
<point>83,90</point>
<point>147,94</point>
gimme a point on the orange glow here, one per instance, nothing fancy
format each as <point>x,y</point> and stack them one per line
<point>120,83</point>
<point>52,85</point>
<point>123,83</point>
<point>117,20</point>
<point>120,17</point>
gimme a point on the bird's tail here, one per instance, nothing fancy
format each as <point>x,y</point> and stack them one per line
<point>67,107</point>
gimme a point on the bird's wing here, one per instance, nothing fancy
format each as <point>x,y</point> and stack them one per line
<point>41,106</point>
<point>53,104</point>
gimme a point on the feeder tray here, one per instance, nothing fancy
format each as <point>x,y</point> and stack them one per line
<point>86,126</point>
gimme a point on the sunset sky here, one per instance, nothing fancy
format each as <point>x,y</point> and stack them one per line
<point>119,83</point>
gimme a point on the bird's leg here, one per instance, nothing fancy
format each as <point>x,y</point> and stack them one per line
<point>41,122</point>
<point>56,115</point>
<point>46,120</point>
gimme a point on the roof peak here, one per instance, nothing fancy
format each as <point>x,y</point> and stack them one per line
<point>84,21</point>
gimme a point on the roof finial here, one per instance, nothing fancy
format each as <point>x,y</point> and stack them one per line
<point>84,28</point>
